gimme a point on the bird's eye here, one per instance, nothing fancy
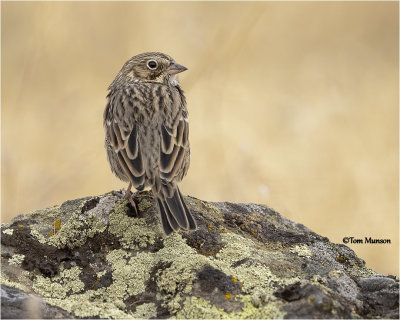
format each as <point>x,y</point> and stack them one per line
<point>151,64</point>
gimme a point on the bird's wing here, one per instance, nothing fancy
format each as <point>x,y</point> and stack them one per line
<point>121,127</point>
<point>173,147</point>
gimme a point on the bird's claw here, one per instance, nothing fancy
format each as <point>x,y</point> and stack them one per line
<point>127,195</point>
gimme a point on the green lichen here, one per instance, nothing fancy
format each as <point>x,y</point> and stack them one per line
<point>268,310</point>
<point>101,273</point>
<point>236,248</point>
<point>335,274</point>
<point>176,281</point>
<point>16,259</point>
<point>63,291</point>
<point>130,274</point>
<point>256,278</point>
<point>258,270</point>
<point>74,228</point>
<point>42,231</point>
<point>59,286</point>
<point>144,204</point>
<point>301,251</point>
<point>198,308</point>
<point>5,279</point>
<point>132,232</point>
<point>8,231</point>
<point>75,232</point>
<point>175,249</point>
<point>92,303</point>
<point>37,235</point>
<point>209,210</point>
<point>318,279</point>
<point>361,272</point>
<point>146,311</point>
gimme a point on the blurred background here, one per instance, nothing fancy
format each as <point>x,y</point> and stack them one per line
<point>291,104</point>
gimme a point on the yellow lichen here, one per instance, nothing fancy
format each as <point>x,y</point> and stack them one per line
<point>341,258</point>
<point>42,231</point>
<point>228,296</point>
<point>57,224</point>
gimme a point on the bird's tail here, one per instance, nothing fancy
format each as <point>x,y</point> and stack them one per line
<point>175,214</point>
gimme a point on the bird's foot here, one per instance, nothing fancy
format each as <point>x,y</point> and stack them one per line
<point>127,195</point>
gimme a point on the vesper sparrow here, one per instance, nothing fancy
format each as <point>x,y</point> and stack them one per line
<point>147,133</point>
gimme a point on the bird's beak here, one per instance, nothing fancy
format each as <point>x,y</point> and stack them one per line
<point>175,68</point>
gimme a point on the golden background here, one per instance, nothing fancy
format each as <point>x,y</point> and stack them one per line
<point>291,104</point>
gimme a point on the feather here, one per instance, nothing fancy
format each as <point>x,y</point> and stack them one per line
<point>167,161</point>
<point>113,138</point>
<point>185,139</point>
<point>117,133</point>
<point>179,132</point>
<point>164,220</point>
<point>175,166</point>
<point>164,210</point>
<point>132,149</point>
<point>135,165</point>
<point>192,223</point>
<point>177,210</point>
<point>173,149</point>
<point>167,141</point>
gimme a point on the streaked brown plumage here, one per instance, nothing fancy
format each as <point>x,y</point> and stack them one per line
<point>147,131</point>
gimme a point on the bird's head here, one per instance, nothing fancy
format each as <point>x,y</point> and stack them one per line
<point>150,67</point>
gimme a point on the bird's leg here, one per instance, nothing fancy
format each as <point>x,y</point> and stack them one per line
<point>128,192</point>
<point>128,195</point>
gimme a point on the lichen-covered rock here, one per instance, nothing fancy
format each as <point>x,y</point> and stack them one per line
<point>93,257</point>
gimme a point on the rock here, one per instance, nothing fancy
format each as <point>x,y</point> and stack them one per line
<point>93,258</point>
<point>16,304</point>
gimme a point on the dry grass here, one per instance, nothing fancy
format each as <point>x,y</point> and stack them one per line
<point>294,105</point>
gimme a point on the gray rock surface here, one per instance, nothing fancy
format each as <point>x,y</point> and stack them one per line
<point>93,257</point>
<point>16,304</point>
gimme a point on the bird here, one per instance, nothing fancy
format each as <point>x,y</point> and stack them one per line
<point>147,134</point>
